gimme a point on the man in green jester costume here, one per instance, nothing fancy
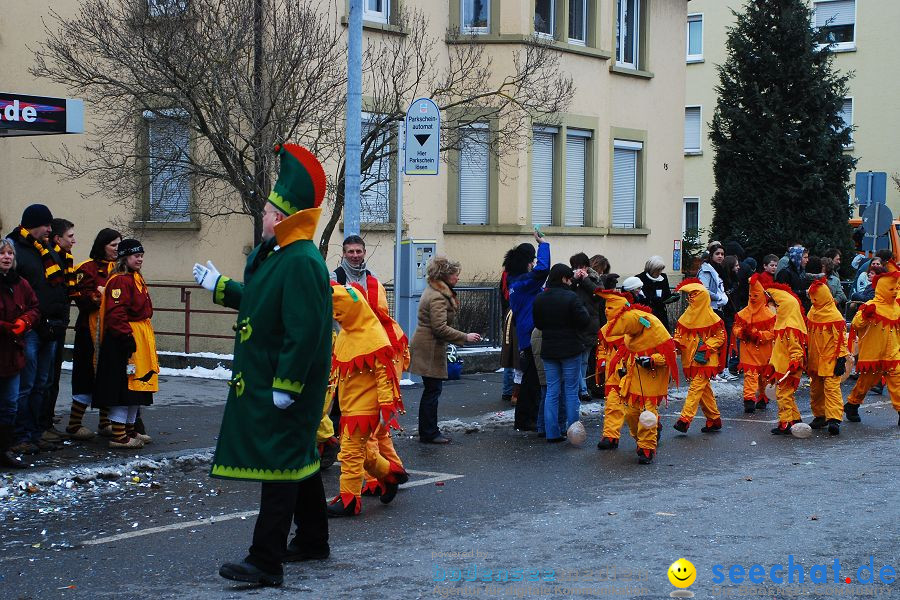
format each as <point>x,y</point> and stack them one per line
<point>282,360</point>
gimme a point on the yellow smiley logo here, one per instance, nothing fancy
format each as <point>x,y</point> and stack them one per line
<point>682,573</point>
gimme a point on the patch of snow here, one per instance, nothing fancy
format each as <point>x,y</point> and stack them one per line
<point>479,350</point>
<point>405,382</point>
<point>199,372</point>
<point>198,354</point>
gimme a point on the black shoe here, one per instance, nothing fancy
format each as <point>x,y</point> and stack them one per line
<point>818,423</point>
<point>898,418</point>
<point>585,397</point>
<point>8,459</point>
<point>782,430</point>
<point>878,390</point>
<point>555,440</point>
<point>506,397</point>
<point>607,444</point>
<point>852,412</point>
<point>297,553</point>
<point>645,457</point>
<point>761,405</point>
<point>749,406</point>
<point>244,571</point>
<point>440,439</point>
<point>328,452</point>
<point>397,477</point>
<point>712,426</point>
<point>338,509</point>
<point>681,426</point>
<point>834,427</point>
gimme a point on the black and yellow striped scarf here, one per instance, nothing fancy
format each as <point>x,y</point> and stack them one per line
<point>68,268</point>
<point>52,270</point>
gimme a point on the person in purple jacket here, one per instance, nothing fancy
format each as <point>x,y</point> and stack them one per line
<point>523,289</point>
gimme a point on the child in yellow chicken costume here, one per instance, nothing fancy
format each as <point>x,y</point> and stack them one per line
<point>788,354</point>
<point>826,358</point>
<point>754,327</point>
<point>700,339</point>
<point>877,325</point>
<point>649,353</point>
<point>607,347</point>
<point>369,393</point>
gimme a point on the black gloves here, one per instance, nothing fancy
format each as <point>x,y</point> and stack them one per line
<point>129,345</point>
<point>840,366</point>
<point>644,361</point>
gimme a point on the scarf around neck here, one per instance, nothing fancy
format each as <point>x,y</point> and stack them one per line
<point>52,271</point>
<point>68,267</point>
<point>354,274</point>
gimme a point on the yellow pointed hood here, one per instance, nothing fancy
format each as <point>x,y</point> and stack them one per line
<point>824,312</point>
<point>615,302</point>
<point>699,318</point>
<point>644,335</point>
<point>789,315</point>
<point>362,340</point>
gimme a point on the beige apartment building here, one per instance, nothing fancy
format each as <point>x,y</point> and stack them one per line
<point>863,32</point>
<point>606,177</point>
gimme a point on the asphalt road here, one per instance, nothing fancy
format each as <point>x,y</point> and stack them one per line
<point>493,506</point>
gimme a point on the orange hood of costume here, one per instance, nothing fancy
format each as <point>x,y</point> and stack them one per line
<point>756,313</point>
<point>362,340</point>
<point>607,344</point>
<point>615,302</point>
<point>877,323</point>
<point>826,325</point>
<point>789,352</point>
<point>644,335</point>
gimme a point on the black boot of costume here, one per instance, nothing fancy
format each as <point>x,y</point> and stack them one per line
<point>397,477</point>
<point>852,412</point>
<point>645,457</point>
<point>337,508</point>
<point>818,423</point>
<point>749,406</point>
<point>834,427</point>
<point>607,444</point>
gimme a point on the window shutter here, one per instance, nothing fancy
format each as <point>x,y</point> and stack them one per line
<point>576,158</point>
<point>542,178</point>
<point>170,190</point>
<point>473,178</point>
<point>842,11</point>
<point>692,127</point>
<point>847,112</point>
<point>624,187</point>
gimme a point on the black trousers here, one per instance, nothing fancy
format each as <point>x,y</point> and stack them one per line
<point>428,408</point>
<point>529,393</point>
<point>279,504</point>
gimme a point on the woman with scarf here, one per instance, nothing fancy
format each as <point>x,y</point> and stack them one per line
<point>90,282</point>
<point>700,339</point>
<point>826,357</point>
<point>18,312</point>
<point>648,356</point>
<point>127,367</point>
<point>754,327</point>
<point>788,355</point>
<point>794,274</point>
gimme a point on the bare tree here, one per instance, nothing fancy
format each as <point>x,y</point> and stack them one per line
<point>197,92</point>
<point>218,83</point>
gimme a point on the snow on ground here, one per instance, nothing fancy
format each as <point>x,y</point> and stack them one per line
<point>219,372</point>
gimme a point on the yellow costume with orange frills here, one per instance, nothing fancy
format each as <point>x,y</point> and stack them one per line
<point>788,354</point>
<point>754,327</point>
<point>644,385</point>
<point>368,392</point>
<point>700,339</point>
<point>607,347</point>
<point>877,325</point>
<point>827,344</point>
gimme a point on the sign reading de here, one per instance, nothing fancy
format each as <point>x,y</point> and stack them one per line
<point>423,138</point>
<point>31,115</point>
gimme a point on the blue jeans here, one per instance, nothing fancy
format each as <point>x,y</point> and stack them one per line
<point>33,382</point>
<point>562,387</point>
<point>541,425</point>
<point>582,383</point>
<point>508,373</point>
<point>9,398</point>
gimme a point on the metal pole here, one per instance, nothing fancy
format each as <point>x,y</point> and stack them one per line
<point>398,235</point>
<point>353,119</point>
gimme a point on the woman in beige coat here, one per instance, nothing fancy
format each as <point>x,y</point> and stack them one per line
<point>437,312</point>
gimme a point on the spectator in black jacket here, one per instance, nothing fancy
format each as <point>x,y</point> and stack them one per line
<point>656,287</point>
<point>36,264</point>
<point>585,281</point>
<point>560,316</point>
<point>794,274</point>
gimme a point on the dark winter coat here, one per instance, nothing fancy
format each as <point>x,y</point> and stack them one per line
<point>584,289</point>
<point>52,299</point>
<point>560,316</point>
<point>796,280</point>
<point>657,292</point>
<point>17,301</point>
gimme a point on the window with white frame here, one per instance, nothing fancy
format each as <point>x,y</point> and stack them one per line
<point>578,19</point>
<point>166,8</point>
<point>375,181</point>
<point>474,169</point>
<point>628,33</point>
<point>847,115</point>
<point>544,17</point>
<point>695,38</point>
<point>543,142</point>
<point>837,19</point>
<point>377,11</point>
<point>626,161</point>
<point>475,16</point>
<point>691,219</point>
<point>168,145</point>
<point>693,126</point>
<point>577,141</point>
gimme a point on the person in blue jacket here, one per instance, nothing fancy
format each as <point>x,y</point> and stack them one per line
<point>523,289</point>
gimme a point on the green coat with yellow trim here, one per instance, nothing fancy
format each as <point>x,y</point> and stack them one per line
<point>282,342</point>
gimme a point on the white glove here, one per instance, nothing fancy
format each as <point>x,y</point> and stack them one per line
<point>282,399</point>
<point>207,276</point>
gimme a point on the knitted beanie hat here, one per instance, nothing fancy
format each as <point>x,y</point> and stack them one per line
<point>35,216</point>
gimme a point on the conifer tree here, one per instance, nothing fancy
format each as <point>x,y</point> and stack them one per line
<point>781,168</point>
